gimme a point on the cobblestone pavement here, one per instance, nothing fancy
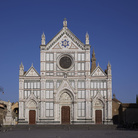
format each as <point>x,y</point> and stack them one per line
<point>66,132</point>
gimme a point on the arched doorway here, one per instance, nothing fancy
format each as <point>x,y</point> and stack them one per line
<point>32,112</point>
<point>98,112</point>
<point>66,100</point>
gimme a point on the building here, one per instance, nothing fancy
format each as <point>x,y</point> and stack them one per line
<point>66,91</point>
<point>115,109</point>
<point>128,113</point>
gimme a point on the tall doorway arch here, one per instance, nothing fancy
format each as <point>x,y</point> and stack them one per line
<point>66,106</point>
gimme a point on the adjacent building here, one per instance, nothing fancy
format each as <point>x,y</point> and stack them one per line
<point>68,90</point>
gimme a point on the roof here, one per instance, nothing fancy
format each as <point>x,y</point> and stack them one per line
<point>130,105</point>
<point>116,100</point>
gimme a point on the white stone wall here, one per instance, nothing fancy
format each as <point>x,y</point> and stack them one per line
<point>80,71</point>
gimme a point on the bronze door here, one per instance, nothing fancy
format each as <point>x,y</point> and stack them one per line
<point>98,116</point>
<point>65,115</point>
<point>32,116</point>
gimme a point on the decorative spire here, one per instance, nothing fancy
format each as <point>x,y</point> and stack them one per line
<point>109,71</point>
<point>93,54</point>
<point>65,23</point>
<point>93,60</point>
<point>32,64</point>
<point>21,66</point>
<point>109,65</point>
<point>21,70</point>
<point>43,39</point>
<point>87,39</point>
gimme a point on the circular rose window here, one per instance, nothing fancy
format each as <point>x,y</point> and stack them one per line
<point>65,62</point>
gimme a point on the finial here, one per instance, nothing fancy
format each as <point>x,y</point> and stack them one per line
<point>87,38</point>
<point>32,64</point>
<point>65,23</point>
<point>98,64</point>
<point>43,39</point>
<point>21,66</point>
<point>109,64</point>
<point>93,53</point>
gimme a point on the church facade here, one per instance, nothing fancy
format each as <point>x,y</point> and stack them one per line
<point>67,90</point>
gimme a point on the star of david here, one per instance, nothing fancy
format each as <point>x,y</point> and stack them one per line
<point>65,43</point>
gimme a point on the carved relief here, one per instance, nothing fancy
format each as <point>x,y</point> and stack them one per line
<point>98,103</point>
<point>32,104</point>
<point>65,96</point>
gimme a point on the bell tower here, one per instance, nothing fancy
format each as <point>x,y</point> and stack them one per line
<point>93,60</point>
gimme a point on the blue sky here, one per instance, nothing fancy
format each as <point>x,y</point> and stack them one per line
<point>112,26</point>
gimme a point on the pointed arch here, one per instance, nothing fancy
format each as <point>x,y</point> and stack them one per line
<point>31,104</point>
<point>68,94</point>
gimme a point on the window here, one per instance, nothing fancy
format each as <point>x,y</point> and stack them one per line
<point>49,94</point>
<point>49,66</point>
<point>80,66</point>
<point>81,94</point>
<point>81,84</point>
<point>81,109</point>
<point>26,94</point>
<point>81,57</point>
<point>104,84</point>
<point>49,109</point>
<point>49,84</point>
<point>49,57</point>
<point>31,84</point>
<point>25,85</point>
<point>91,84</point>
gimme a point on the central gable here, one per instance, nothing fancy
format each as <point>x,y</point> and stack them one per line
<point>65,39</point>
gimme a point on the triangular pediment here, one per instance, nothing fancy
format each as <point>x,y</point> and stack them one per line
<point>65,85</point>
<point>32,72</point>
<point>65,39</point>
<point>98,72</point>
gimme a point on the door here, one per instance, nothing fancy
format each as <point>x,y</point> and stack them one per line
<point>98,116</point>
<point>32,116</point>
<point>65,117</point>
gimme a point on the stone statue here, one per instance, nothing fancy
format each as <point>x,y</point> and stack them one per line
<point>9,106</point>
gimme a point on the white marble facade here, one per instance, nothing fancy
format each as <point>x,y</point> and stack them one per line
<point>65,80</point>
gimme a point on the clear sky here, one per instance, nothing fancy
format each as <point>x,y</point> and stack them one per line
<point>112,26</point>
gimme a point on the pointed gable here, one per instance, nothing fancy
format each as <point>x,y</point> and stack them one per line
<point>65,85</point>
<point>32,72</point>
<point>65,38</point>
<point>98,72</point>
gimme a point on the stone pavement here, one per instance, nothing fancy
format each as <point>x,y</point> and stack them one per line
<point>67,131</point>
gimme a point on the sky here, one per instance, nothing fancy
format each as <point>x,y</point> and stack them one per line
<point>112,26</point>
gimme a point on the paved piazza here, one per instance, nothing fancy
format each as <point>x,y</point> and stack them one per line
<point>67,132</point>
